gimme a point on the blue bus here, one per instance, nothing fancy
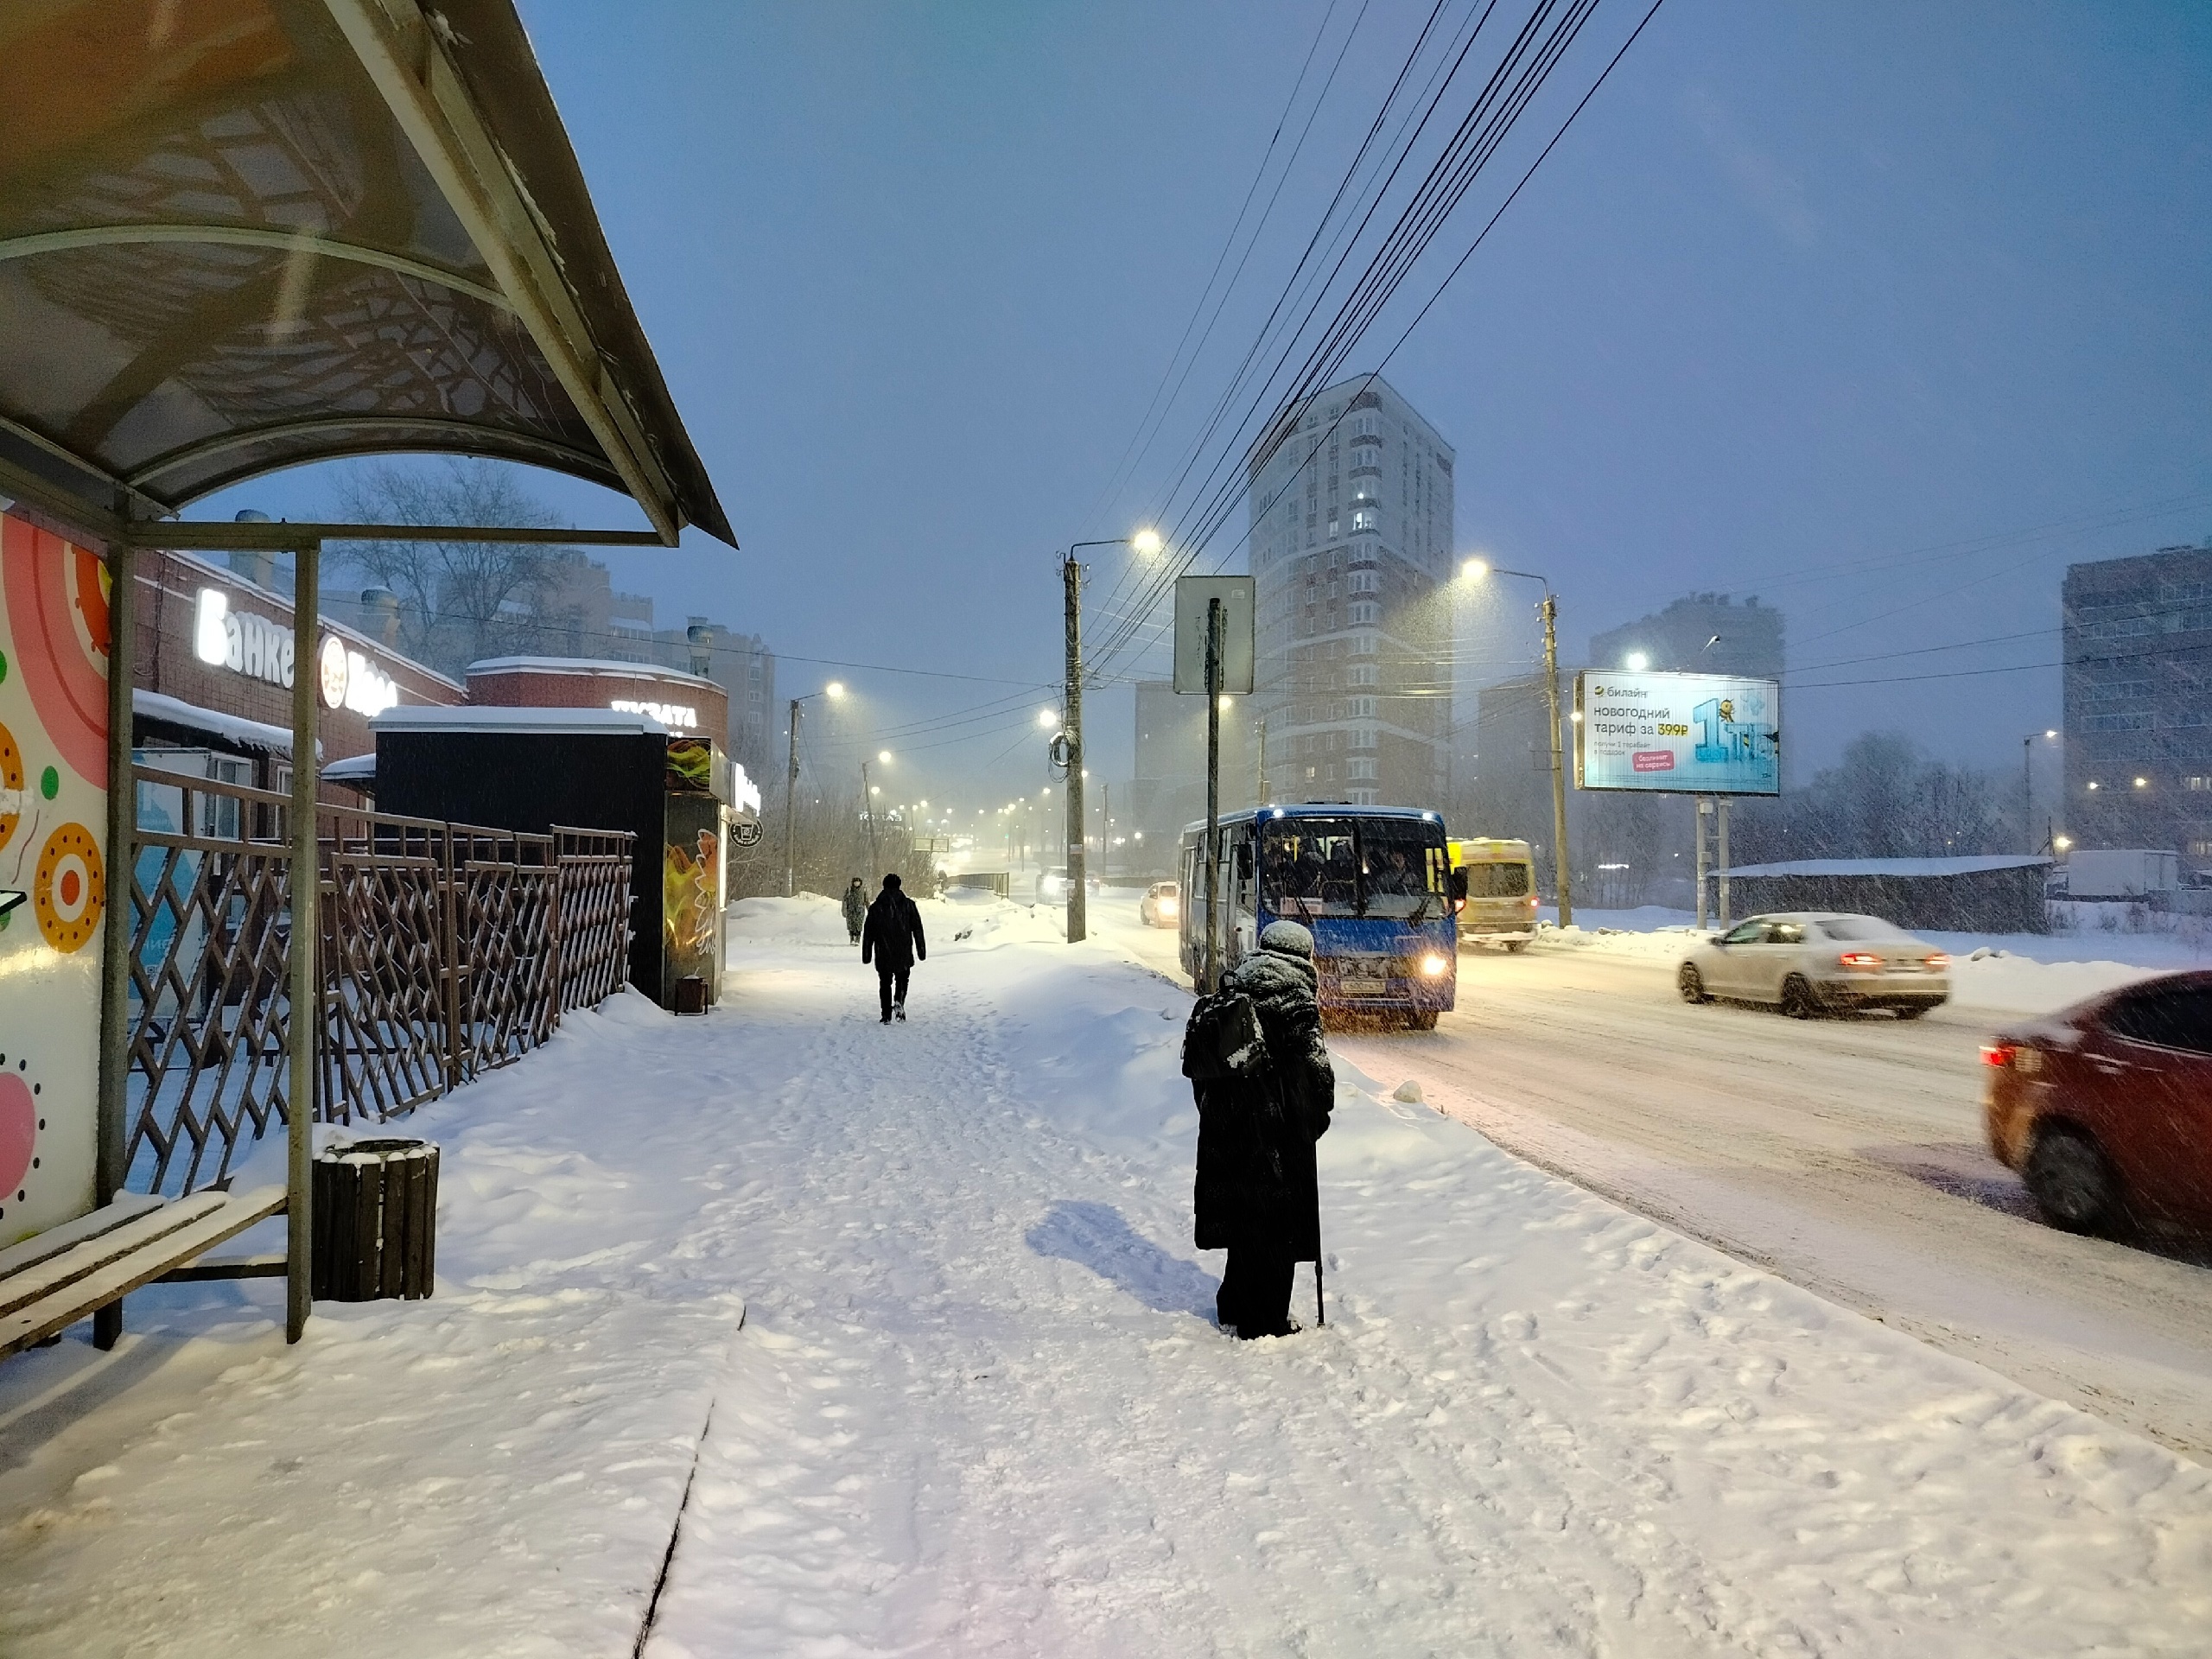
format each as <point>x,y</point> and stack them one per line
<point>1373,884</point>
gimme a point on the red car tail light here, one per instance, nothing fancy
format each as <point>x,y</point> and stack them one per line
<point>1859,959</point>
<point>1998,1054</point>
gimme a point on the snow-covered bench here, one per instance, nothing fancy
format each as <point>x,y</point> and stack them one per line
<point>49,1282</point>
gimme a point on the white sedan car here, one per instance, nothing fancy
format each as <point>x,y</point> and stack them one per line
<point>1809,962</point>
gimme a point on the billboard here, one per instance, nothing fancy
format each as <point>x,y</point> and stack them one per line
<point>1677,733</point>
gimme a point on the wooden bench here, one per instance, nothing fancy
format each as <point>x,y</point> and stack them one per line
<point>49,1282</point>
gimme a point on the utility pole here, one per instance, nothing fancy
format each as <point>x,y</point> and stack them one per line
<point>1217,625</point>
<point>791,800</point>
<point>1078,908</point>
<point>1565,878</point>
<point>1260,736</point>
<point>868,806</point>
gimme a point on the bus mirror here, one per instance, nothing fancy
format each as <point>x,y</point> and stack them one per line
<point>1459,885</point>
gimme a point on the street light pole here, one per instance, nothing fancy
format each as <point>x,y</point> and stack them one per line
<point>1564,877</point>
<point>1145,542</point>
<point>1078,908</point>
<point>790,801</point>
<point>1549,611</point>
<point>2028,785</point>
<point>833,691</point>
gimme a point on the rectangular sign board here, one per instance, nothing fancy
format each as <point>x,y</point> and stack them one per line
<point>1677,733</point>
<point>1192,595</point>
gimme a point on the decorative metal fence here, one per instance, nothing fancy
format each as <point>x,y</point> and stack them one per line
<point>445,951</point>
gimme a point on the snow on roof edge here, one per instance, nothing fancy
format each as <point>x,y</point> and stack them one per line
<point>232,728</point>
<point>587,665</point>
<point>1905,869</point>
<point>486,718</point>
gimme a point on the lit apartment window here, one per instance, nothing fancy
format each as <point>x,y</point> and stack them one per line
<point>2200,850</point>
<point>2196,783</point>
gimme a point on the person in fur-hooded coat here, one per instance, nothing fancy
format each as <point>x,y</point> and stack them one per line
<point>1257,1193</point>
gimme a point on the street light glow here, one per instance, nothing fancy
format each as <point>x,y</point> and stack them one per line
<point>834,689</point>
<point>1145,541</point>
<point>1047,719</point>
<point>883,756</point>
<point>1637,662</point>
<point>1475,569</point>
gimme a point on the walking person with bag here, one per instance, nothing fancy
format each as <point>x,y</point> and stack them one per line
<point>856,909</point>
<point>892,937</point>
<point>1260,1071</point>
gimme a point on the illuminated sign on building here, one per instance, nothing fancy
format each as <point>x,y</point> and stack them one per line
<point>240,641</point>
<point>254,645</point>
<point>668,714</point>
<point>350,680</point>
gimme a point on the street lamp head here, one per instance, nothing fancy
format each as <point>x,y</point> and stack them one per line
<point>836,689</point>
<point>1637,663</point>
<point>883,756</point>
<point>1475,569</point>
<point>2050,733</point>
<point>1047,719</point>
<point>1145,541</point>
<point>2063,843</point>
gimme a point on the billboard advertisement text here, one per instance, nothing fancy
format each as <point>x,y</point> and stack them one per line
<point>1677,733</point>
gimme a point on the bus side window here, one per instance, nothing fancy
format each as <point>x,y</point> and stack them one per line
<point>1245,896</point>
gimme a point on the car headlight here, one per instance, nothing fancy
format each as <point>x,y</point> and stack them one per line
<point>1434,966</point>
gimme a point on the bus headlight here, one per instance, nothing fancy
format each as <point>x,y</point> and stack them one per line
<point>1435,967</point>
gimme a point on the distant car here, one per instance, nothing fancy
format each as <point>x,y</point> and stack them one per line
<point>1807,963</point>
<point>1052,886</point>
<point>1162,905</point>
<point>2105,1107</point>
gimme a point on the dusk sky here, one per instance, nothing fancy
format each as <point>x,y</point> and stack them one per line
<point>1882,313</point>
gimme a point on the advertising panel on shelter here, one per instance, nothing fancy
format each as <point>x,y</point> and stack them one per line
<point>1677,733</point>
<point>54,648</point>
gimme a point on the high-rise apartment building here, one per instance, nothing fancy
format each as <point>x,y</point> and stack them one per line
<point>1351,544</point>
<point>2139,702</point>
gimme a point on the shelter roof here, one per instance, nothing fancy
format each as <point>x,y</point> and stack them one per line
<point>237,235</point>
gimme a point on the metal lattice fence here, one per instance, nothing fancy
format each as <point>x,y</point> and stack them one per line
<point>445,951</point>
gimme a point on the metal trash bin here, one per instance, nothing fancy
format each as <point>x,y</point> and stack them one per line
<point>376,1212</point>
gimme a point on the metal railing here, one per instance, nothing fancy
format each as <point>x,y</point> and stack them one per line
<point>445,951</point>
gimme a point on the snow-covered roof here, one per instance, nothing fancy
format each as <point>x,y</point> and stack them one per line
<point>1907,868</point>
<point>357,770</point>
<point>597,667</point>
<point>416,717</point>
<point>229,729</point>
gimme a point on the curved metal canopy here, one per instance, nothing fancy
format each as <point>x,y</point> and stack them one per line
<point>237,235</point>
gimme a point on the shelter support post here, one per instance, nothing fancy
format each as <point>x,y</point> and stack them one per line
<point>115,939</point>
<point>306,1015</point>
<point>1562,869</point>
<point>1217,627</point>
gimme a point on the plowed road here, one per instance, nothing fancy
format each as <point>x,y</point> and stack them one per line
<point>1843,1155</point>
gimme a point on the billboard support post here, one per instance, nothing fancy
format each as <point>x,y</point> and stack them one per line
<point>1213,793</point>
<point>1704,915</point>
<point>1720,835</point>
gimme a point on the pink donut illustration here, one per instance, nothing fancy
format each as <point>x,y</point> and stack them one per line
<point>58,611</point>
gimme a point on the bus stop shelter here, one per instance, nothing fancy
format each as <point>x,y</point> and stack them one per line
<point>238,236</point>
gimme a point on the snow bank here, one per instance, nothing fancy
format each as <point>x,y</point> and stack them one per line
<point>978,1406</point>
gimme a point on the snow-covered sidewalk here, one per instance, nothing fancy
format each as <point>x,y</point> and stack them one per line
<point>977,1404</point>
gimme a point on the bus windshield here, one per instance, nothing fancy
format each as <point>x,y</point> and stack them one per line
<point>1354,866</point>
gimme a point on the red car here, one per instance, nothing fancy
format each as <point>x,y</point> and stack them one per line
<point>2105,1108</point>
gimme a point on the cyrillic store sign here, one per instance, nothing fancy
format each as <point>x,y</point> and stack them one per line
<point>254,645</point>
<point>681,716</point>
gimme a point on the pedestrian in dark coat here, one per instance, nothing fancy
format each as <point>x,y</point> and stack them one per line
<point>1265,1090</point>
<point>856,909</point>
<point>892,936</point>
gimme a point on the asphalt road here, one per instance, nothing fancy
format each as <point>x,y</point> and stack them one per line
<point>1844,1154</point>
